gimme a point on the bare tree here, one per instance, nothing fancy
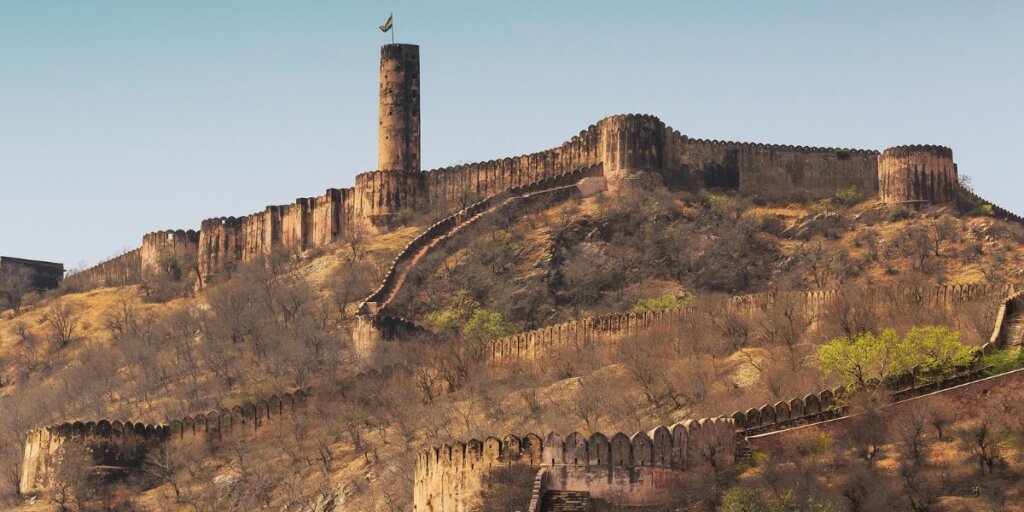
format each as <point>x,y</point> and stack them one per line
<point>15,283</point>
<point>63,320</point>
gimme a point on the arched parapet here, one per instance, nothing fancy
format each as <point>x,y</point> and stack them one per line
<point>575,450</point>
<point>554,449</point>
<point>782,412</point>
<point>621,450</point>
<point>661,439</point>
<point>608,468</point>
<point>599,453</point>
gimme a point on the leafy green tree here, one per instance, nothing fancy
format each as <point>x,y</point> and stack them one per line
<point>447,322</point>
<point>863,357</point>
<point>485,325</point>
<point>936,351</point>
<point>481,324</point>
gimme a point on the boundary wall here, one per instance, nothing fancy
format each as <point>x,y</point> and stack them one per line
<point>629,146</point>
<point>977,392</point>
<point>123,270</point>
<point>124,444</point>
<point>827,405</point>
<point>531,345</point>
<point>645,468</point>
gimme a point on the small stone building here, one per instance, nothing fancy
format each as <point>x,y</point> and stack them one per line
<point>45,275</point>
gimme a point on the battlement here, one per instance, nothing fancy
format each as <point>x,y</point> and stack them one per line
<point>124,444</point>
<point>918,174</point>
<point>635,470</point>
<point>182,244</point>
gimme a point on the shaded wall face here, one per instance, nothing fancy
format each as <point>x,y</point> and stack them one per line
<point>45,275</point>
<point>120,271</point>
<point>772,171</point>
<point>399,117</point>
<point>923,174</point>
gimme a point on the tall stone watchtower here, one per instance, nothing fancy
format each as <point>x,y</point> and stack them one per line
<point>398,145</point>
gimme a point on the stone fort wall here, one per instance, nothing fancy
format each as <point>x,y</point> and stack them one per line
<point>626,146</point>
<point>633,470</point>
<point>534,344</point>
<point>123,270</point>
<point>116,443</point>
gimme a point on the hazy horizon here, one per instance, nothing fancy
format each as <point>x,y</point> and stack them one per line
<point>121,118</point>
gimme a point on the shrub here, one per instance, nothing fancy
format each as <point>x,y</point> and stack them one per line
<point>666,301</point>
<point>481,324</point>
<point>982,210</point>
<point>760,499</point>
<point>848,196</point>
<point>448,321</point>
<point>1003,361</point>
<point>487,325</point>
<point>898,212</point>
<point>720,205</point>
<point>843,153</point>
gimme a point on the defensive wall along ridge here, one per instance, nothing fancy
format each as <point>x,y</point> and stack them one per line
<point>644,468</point>
<point>635,470</point>
<point>627,147</point>
<point>124,444</point>
<point>533,344</point>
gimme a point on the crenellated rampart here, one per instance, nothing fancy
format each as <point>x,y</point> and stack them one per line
<point>531,345</point>
<point>641,469</point>
<point>181,244</point>
<point>770,170</point>
<point>123,270</point>
<point>124,444</point>
<point>629,148</point>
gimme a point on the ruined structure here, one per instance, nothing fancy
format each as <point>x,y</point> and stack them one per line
<point>44,275</point>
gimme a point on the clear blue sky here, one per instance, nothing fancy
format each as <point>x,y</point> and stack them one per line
<point>123,117</point>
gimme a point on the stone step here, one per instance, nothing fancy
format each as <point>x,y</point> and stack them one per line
<point>565,501</point>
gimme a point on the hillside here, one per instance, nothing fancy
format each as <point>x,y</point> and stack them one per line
<point>285,323</point>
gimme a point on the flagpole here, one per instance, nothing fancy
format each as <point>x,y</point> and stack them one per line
<point>392,28</point>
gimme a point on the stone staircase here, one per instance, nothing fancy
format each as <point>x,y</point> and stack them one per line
<point>1015,326</point>
<point>565,501</point>
<point>452,225</point>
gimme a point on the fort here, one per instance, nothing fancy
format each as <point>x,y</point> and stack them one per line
<point>614,154</point>
<point>628,149</point>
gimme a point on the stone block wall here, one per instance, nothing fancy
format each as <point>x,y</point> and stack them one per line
<point>44,275</point>
<point>123,270</point>
<point>181,243</point>
<point>630,148</point>
<point>917,175</point>
<point>125,444</point>
<point>771,171</point>
<point>538,343</point>
<point>108,443</point>
<point>632,470</point>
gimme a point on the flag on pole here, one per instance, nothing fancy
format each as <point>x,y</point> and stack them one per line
<point>388,24</point>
